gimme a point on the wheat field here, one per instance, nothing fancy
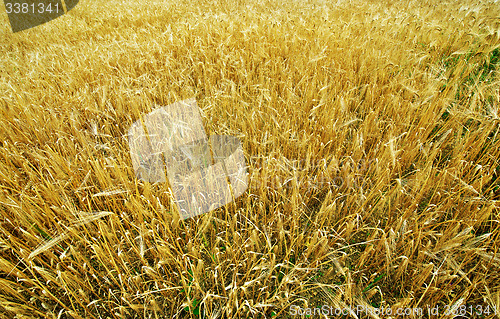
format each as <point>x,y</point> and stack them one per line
<point>371,131</point>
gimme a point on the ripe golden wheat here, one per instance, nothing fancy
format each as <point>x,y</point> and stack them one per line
<point>409,87</point>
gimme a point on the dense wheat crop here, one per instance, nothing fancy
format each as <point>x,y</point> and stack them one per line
<point>371,129</point>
